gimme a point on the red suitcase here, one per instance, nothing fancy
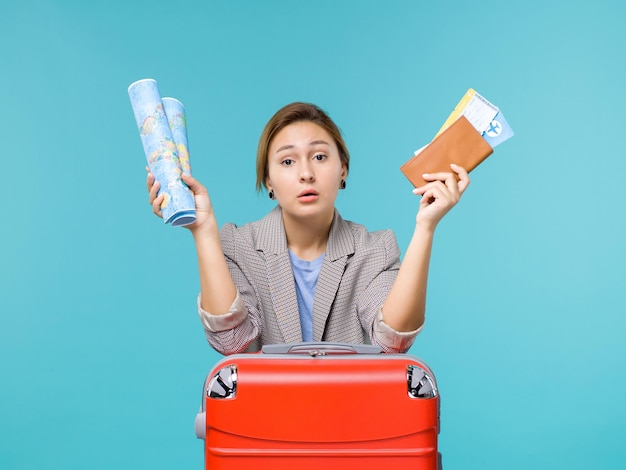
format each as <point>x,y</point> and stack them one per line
<point>320,406</point>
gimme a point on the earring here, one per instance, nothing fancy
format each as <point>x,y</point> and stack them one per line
<point>271,194</point>
<point>342,185</point>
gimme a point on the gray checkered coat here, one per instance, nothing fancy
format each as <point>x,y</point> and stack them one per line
<point>358,271</point>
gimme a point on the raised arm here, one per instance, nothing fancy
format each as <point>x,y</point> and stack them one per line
<point>217,290</point>
<point>404,308</point>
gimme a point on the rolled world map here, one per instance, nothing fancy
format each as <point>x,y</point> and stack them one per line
<point>163,131</point>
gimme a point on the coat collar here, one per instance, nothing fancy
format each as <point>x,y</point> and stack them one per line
<point>272,239</point>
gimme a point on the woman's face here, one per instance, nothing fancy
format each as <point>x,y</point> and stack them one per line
<point>304,170</point>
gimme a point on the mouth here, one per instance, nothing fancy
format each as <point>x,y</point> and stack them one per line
<point>308,195</point>
<point>308,192</point>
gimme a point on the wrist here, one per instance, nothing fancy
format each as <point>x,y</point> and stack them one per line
<point>204,230</point>
<point>425,228</point>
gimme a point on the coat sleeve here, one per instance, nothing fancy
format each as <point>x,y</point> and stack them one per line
<point>371,300</point>
<point>236,330</point>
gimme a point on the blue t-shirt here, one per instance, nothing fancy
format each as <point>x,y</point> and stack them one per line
<point>305,274</point>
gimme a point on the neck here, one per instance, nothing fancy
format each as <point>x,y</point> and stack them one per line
<point>307,238</point>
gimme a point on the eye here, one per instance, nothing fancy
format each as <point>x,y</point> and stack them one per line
<point>320,157</point>
<point>287,162</point>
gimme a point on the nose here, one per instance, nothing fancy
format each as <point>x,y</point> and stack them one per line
<point>306,172</point>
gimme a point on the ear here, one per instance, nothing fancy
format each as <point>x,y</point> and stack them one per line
<point>344,171</point>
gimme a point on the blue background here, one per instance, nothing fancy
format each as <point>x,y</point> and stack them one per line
<point>102,356</point>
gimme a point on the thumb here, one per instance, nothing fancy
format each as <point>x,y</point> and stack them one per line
<point>193,183</point>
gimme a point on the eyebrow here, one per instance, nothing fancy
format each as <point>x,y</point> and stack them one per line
<point>315,142</point>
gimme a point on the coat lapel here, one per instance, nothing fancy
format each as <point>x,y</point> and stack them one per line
<point>340,247</point>
<point>273,243</point>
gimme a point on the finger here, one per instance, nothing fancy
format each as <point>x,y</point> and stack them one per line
<point>429,186</point>
<point>149,180</point>
<point>433,192</point>
<point>452,185</point>
<point>428,197</point>
<point>463,175</point>
<point>156,205</point>
<point>438,176</point>
<point>153,191</point>
<point>447,179</point>
<point>195,185</point>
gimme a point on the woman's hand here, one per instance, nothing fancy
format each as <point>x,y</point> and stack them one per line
<point>439,195</point>
<point>204,208</point>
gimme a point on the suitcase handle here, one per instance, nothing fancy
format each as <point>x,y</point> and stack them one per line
<point>321,349</point>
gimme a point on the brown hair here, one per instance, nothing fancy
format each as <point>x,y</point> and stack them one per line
<point>289,114</point>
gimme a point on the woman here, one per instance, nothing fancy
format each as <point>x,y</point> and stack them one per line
<point>302,273</point>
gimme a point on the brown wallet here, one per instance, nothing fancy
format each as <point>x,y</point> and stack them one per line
<point>460,144</point>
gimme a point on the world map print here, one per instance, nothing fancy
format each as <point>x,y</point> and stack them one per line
<point>162,128</point>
